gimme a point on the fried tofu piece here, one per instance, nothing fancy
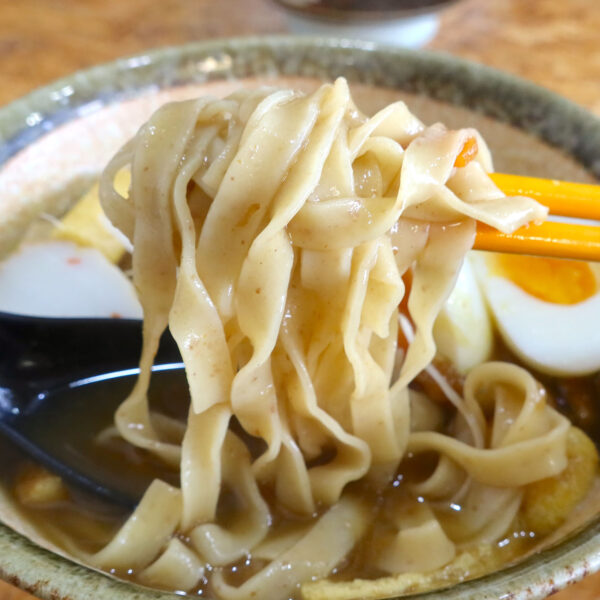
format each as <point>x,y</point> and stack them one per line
<point>548,502</point>
<point>87,225</point>
<point>35,486</point>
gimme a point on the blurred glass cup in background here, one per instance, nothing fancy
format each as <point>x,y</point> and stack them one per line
<point>408,23</point>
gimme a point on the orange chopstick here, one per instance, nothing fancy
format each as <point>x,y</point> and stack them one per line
<point>561,240</point>
<point>565,198</point>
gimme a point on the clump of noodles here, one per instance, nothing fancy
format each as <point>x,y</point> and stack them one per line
<point>271,231</point>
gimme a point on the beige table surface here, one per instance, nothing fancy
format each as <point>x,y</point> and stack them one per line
<point>555,43</point>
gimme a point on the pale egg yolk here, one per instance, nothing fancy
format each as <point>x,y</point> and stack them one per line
<point>550,279</point>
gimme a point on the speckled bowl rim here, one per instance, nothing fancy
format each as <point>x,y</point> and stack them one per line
<point>506,98</point>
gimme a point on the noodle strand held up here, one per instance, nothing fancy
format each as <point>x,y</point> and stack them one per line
<point>271,232</point>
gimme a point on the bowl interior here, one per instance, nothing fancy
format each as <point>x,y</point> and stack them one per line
<point>55,141</point>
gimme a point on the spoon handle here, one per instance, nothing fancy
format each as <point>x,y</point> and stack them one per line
<point>40,352</point>
<point>72,476</point>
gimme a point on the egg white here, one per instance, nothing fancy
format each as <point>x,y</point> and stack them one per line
<point>463,330</point>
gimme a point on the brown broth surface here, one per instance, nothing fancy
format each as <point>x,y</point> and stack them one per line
<point>90,524</point>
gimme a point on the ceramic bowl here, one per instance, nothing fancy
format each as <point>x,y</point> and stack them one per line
<point>406,23</point>
<point>65,132</point>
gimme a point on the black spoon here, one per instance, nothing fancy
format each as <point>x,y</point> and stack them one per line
<point>61,380</point>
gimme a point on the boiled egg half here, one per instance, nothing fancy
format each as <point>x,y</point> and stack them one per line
<point>546,310</point>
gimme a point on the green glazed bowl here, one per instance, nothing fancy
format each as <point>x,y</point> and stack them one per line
<point>530,130</point>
